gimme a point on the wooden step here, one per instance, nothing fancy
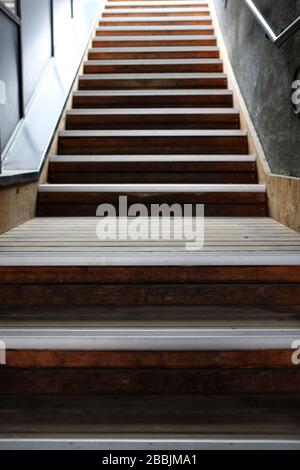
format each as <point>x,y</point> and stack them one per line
<point>159,142</point>
<point>120,382</point>
<point>152,98</point>
<point>153,66</point>
<point>111,423</point>
<point>138,53</point>
<point>83,200</point>
<point>196,316</point>
<point>154,30</point>
<point>153,81</point>
<point>148,41</point>
<point>158,20</point>
<point>152,118</point>
<point>153,12</point>
<point>150,169</point>
<point>158,4</point>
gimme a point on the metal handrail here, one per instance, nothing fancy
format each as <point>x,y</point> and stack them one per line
<point>278,40</point>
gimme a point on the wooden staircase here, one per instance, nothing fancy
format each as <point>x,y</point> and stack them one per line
<point>143,344</point>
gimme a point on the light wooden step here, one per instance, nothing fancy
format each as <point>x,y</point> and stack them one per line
<point>153,66</point>
<point>152,118</point>
<point>152,98</point>
<point>152,169</point>
<point>130,53</point>
<point>159,142</point>
<point>157,20</point>
<point>158,4</point>
<point>154,30</point>
<point>147,41</point>
<point>152,81</point>
<point>153,12</point>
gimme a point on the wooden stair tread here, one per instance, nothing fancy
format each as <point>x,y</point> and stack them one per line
<point>154,62</point>
<point>154,9</point>
<point>155,38</point>
<point>155,49</point>
<point>132,418</point>
<point>244,316</point>
<point>200,29</point>
<point>157,3</point>
<point>197,19</point>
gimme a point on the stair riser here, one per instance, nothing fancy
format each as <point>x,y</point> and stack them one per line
<point>140,381</point>
<point>116,31</point>
<point>126,359</point>
<point>152,83</point>
<point>72,176</point>
<point>212,101</point>
<point>153,68</point>
<point>153,55</point>
<point>155,43</point>
<point>260,277</point>
<point>153,145</point>
<point>146,295</point>
<point>148,121</point>
<point>131,14</point>
<point>85,209</point>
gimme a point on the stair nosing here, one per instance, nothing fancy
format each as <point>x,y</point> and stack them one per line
<point>152,158</point>
<point>153,49</point>
<point>158,19</point>
<point>155,92</point>
<point>155,133</point>
<point>147,76</point>
<point>151,111</point>
<point>155,188</point>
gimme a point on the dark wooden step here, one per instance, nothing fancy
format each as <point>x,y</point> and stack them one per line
<point>159,52</point>
<point>153,66</point>
<point>219,317</point>
<point>152,81</point>
<point>152,98</point>
<point>156,142</point>
<point>154,30</point>
<point>137,422</point>
<point>142,381</point>
<point>83,200</point>
<point>171,169</point>
<point>157,20</point>
<point>153,41</point>
<point>153,118</point>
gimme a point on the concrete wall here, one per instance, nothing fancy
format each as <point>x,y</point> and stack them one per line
<point>265,74</point>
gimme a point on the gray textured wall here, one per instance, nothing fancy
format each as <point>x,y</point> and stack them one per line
<point>265,74</point>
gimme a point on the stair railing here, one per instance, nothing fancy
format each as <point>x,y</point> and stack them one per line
<point>280,39</point>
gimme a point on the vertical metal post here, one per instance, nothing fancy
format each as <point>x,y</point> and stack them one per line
<point>52,28</point>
